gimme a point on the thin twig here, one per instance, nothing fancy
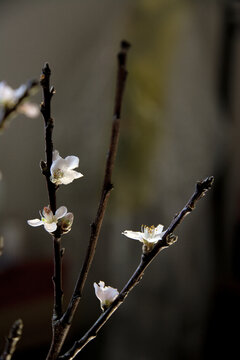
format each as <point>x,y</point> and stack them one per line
<point>107,184</point>
<point>14,336</point>
<point>46,166</point>
<point>57,278</point>
<point>58,337</point>
<point>146,259</point>
<point>6,112</point>
<point>46,112</point>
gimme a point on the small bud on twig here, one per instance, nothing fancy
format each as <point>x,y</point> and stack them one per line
<point>171,239</point>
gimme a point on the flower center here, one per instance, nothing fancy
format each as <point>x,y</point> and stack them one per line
<point>149,231</point>
<point>58,174</point>
<point>47,216</point>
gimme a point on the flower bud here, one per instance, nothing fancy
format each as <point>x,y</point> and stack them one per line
<point>106,294</point>
<point>65,223</point>
<point>171,239</point>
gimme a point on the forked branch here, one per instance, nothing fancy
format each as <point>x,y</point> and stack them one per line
<point>64,324</point>
<point>201,188</point>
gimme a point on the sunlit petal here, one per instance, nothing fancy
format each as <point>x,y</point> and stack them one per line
<point>61,212</point>
<point>106,294</point>
<point>159,229</point>
<point>136,235</point>
<point>62,169</point>
<point>35,222</point>
<point>29,109</point>
<point>55,155</point>
<point>50,227</point>
<point>72,161</point>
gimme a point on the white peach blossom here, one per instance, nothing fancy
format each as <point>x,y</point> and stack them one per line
<point>9,98</point>
<point>62,169</point>
<point>48,220</point>
<point>106,294</point>
<point>149,236</point>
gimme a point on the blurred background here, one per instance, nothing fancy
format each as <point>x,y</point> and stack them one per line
<point>180,123</point>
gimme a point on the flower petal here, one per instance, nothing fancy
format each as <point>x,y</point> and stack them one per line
<point>147,233</point>
<point>50,227</point>
<point>110,294</point>
<point>97,291</point>
<point>20,91</point>
<point>76,174</point>
<point>159,229</point>
<point>59,163</point>
<point>136,235</point>
<point>47,214</point>
<point>106,294</point>
<point>29,109</point>
<point>35,222</point>
<point>72,162</point>
<point>61,212</point>
<point>69,176</point>
<point>7,96</point>
<point>55,155</point>
<point>153,240</point>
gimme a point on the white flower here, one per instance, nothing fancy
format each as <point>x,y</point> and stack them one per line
<point>62,169</point>
<point>48,220</point>
<point>28,109</point>
<point>149,236</point>
<point>106,294</point>
<point>7,95</point>
<point>9,98</point>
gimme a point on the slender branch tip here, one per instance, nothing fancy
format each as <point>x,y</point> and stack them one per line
<point>205,185</point>
<point>13,338</point>
<point>46,68</point>
<point>125,45</point>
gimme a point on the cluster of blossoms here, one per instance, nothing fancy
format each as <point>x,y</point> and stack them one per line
<point>50,221</point>
<point>149,236</point>
<point>10,97</point>
<point>62,172</point>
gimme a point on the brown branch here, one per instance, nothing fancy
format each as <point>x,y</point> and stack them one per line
<point>14,336</point>
<point>107,185</point>
<point>146,259</point>
<point>46,166</point>
<point>58,336</point>
<point>46,112</point>
<point>6,112</point>
<point>57,278</point>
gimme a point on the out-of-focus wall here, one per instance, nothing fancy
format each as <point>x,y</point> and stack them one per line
<point>174,131</point>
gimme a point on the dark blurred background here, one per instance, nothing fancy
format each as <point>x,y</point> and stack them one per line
<point>180,123</point>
